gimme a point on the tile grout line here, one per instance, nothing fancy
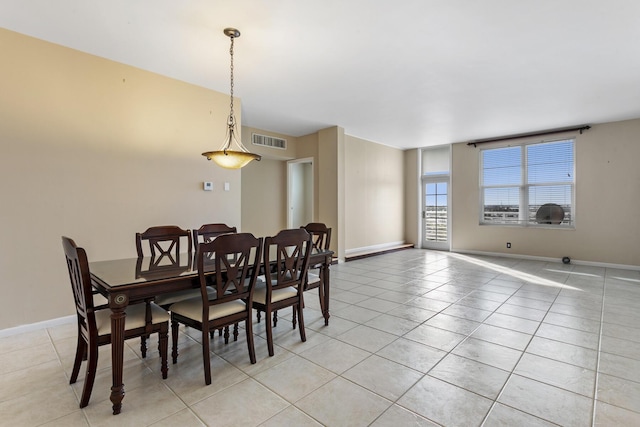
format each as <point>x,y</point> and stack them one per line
<point>511,373</point>
<point>595,385</point>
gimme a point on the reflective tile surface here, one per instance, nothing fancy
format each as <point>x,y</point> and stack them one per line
<point>416,337</point>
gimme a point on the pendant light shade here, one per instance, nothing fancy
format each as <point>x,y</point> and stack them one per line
<point>233,154</point>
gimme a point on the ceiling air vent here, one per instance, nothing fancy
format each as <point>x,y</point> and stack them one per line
<point>268,141</point>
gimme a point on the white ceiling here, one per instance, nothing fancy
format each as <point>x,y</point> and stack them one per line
<point>404,73</point>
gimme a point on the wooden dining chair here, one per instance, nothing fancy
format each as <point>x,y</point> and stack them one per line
<point>286,261</point>
<point>235,258</point>
<point>165,244</point>
<point>320,241</point>
<point>208,232</point>
<point>94,323</point>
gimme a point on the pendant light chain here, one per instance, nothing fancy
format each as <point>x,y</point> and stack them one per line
<point>231,114</point>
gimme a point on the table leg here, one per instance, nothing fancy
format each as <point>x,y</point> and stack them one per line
<point>117,357</point>
<point>325,284</point>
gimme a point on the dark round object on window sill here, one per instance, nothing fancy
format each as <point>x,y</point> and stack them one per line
<point>550,213</point>
<point>566,260</point>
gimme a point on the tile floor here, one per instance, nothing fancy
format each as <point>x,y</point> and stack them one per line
<point>416,337</point>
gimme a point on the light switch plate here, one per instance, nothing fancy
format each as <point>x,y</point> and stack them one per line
<point>227,187</point>
<point>207,186</point>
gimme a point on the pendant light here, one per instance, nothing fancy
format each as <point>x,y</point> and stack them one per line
<point>232,154</point>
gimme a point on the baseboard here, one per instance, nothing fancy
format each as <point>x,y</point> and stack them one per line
<point>354,254</point>
<point>37,326</point>
<point>549,259</point>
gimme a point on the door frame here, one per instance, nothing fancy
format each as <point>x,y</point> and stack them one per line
<point>427,179</point>
<point>291,199</point>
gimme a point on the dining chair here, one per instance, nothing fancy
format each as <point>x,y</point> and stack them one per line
<point>320,241</point>
<point>235,260</point>
<point>94,322</point>
<point>208,232</point>
<point>164,248</point>
<point>286,261</point>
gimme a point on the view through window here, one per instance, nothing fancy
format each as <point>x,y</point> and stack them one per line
<point>529,184</point>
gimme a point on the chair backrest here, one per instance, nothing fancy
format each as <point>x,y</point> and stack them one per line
<point>320,235</point>
<point>80,278</point>
<point>208,232</point>
<point>164,242</point>
<point>235,258</point>
<point>290,262</point>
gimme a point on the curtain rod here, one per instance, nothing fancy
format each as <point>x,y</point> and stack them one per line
<point>581,128</point>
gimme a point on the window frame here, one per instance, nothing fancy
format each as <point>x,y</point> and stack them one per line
<point>524,186</point>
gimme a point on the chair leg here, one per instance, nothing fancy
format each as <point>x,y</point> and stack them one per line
<point>143,346</point>
<point>92,363</point>
<point>321,296</point>
<point>267,319</point>
<point>248,325</point>
<point>303,335</point>
<point>293,319</point>
<point>206,357</point>
<point>226,334</point>
<point>258,315</point>
<point>81,354</point>
<point>275,318</point>
<point>163,349</point>
<point>174,341</point>
<point>235,332</point>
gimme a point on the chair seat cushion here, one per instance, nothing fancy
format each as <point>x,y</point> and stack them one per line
<point>136,315</point>
<point>260,294</point>
<point>166,300</point>
<point>192,309</point>
<point>313,278</point>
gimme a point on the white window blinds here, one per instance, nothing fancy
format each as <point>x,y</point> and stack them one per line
<point>531,184</point>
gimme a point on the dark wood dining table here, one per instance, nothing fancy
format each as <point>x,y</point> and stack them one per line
<point>132,280</point>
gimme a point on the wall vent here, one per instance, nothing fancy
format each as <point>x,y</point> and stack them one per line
<point>268,141</point>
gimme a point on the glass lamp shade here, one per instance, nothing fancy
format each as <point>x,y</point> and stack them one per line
<point>231,159</point>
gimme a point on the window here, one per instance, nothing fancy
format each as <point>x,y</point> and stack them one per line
<point>531,184</point>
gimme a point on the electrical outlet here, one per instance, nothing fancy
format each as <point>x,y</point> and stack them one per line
<point>508,245</point>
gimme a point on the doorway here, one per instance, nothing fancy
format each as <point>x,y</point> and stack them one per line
<point>299,192</point>
<point>435,212</point>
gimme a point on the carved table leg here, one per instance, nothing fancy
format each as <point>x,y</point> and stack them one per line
<point>117,353</point>
<point>326,284</point>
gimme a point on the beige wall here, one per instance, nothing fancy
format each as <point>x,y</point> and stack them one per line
<point>95,150</point>
<point>412,196</point>
<point>374,194</point>
<point>264,197</point>
<point>607,203</point>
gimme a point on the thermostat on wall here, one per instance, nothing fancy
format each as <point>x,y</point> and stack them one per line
<point>207,186</point>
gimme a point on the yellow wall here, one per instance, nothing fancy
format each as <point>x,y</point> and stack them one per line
<point>95,150</point>
<point>607,203</point>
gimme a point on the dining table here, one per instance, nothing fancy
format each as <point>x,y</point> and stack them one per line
<point>133,280</point>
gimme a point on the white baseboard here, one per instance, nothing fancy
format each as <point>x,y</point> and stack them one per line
<point>548,259</point>
<point>373,248</point>
<point>37,326</point>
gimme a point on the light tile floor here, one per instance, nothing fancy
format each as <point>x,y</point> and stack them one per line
<point>416,337</point>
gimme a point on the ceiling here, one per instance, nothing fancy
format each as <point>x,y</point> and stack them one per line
<point>404,73</point>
